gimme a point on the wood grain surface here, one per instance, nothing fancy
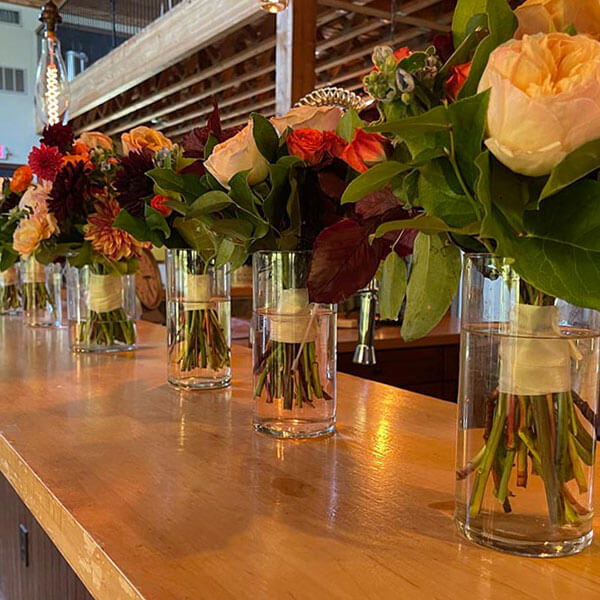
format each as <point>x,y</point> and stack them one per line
<point>155,494</point>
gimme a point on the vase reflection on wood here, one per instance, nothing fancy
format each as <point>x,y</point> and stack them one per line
<point>526,415</point>
<point>41,292</point>
<point>101,310</point>
<point>10,291</point>
<point>294,350</point>
<point>198,321</point>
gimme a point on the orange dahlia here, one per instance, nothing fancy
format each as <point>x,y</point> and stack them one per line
<point>113,243</point>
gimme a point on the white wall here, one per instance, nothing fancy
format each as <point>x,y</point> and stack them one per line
<point>18,49</point>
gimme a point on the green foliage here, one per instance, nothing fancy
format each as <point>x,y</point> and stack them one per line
<point>376,178</point>
<point>392,286</point>
<point>433,281</point>
<point>348,124</point>
<point>265,136</point>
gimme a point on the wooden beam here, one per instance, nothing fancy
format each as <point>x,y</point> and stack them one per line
<point>295,56</point>
<point>184,83</point>
<point>399,17</point>
<point>184,29</point>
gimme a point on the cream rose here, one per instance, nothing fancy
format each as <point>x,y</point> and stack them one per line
<point>144,137</point>
<point>322,118</point>
<point>548,16</point>
<point>545,100</point>
<point>238,153</point>
<point>95,139</point>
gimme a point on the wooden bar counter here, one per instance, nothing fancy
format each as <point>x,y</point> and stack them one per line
<point>154,494</point>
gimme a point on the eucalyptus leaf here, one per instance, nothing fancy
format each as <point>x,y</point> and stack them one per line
<point>574,166</point>
<point>392,286</point>
<point>432,284</point>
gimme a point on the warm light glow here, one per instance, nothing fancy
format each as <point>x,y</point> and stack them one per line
<point>52,93</point>
<point>274,6</point>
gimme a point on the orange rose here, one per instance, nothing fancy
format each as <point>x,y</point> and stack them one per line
<point>458,76</point>
<point>158,204</point>
<point>364,150</point>
<point>334,144</point>
<point>72,159</point>
<point>144,137</point>
<point>306,144</point>
<point>95,139</point>
<point>81,149</point>
<point>21,179</point>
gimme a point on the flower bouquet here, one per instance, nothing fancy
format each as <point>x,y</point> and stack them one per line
<point>179,211</point>
<point>10,196</point>
<point>71,213</point>
<point>496,152</point>
<point>281,181</point>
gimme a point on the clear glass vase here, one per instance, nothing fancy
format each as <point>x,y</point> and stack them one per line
<point>198,321</point>
<point>527,406</point>
<point>41,287</point>
<point>294,350</point>
<point>10,291</point>
<point>101,310</point>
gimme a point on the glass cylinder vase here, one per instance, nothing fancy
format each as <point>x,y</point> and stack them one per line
<point>294,349</point>
<point>10,291</point>
<point>41,291</point>
<point>101,310</point>
<point>198,321</point>
<point>527,406</point>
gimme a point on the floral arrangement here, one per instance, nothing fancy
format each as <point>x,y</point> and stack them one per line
<point>497,150</point>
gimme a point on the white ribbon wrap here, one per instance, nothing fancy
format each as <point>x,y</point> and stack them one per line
<point>534,360</point>
<point>105,293</point>
<point>35,272</point>
<point>10,276</point>
<point>293,323</point>
<point>196,291</point>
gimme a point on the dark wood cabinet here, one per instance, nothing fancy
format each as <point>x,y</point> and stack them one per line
<point>430,370</point>
<point>31,568</point>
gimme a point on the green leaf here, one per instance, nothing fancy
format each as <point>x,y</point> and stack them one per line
<point>468,117</point>
<point>463,13</point>
<point>225,252</point>
<point>460,56</point>
<point>433,120</point>
<point>574,166</point>
<point>237,229</point>
<point>392,286</point>
<point>570,217</point>
<point>433,281</point>
<point>177,206</point>
<point>238,258</point>
<point>510,194</point>
<point>83,257</point>
<point>155,221</point>
<point>211,142</point>
<point>348,123</point>
<point>137,228</point>
<point>289,237</point>
<point>195,235</point>
<point>502,24</point>
<point>374,179</point>
<point>280,189</point>
<point>265,136</point>
<point>211,202</point>
<point>424,223</point>
<point>441,196</point>
<point>8,258</point>
<point>167,180</point>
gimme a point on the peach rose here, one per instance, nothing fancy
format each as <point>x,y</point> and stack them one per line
<point>95,139</point>
<point>35,197</point>
<point>549,16</point>
<point>545,99</point>
<point>322,118</point>
<point>30,232</point>
<point>144,137</point>
<point>238,153</point>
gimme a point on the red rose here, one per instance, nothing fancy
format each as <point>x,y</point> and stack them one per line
<point>401,53</point>
<point>158,204</point>
<point>307,144</point>
<point>364,150</point>
<point>458,76</point>
<point>333,143</point>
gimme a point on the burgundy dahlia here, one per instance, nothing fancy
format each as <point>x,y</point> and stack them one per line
<point>45,161</point>
<point>70,192</point>
<point>131,182</point>
<point>60,136</point>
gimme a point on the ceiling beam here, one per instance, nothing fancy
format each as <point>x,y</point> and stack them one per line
<point>189,26</point>
<point>399,16</point>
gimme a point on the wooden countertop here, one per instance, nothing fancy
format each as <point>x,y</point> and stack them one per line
<point>446,333</point>
<point>154,494</point>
